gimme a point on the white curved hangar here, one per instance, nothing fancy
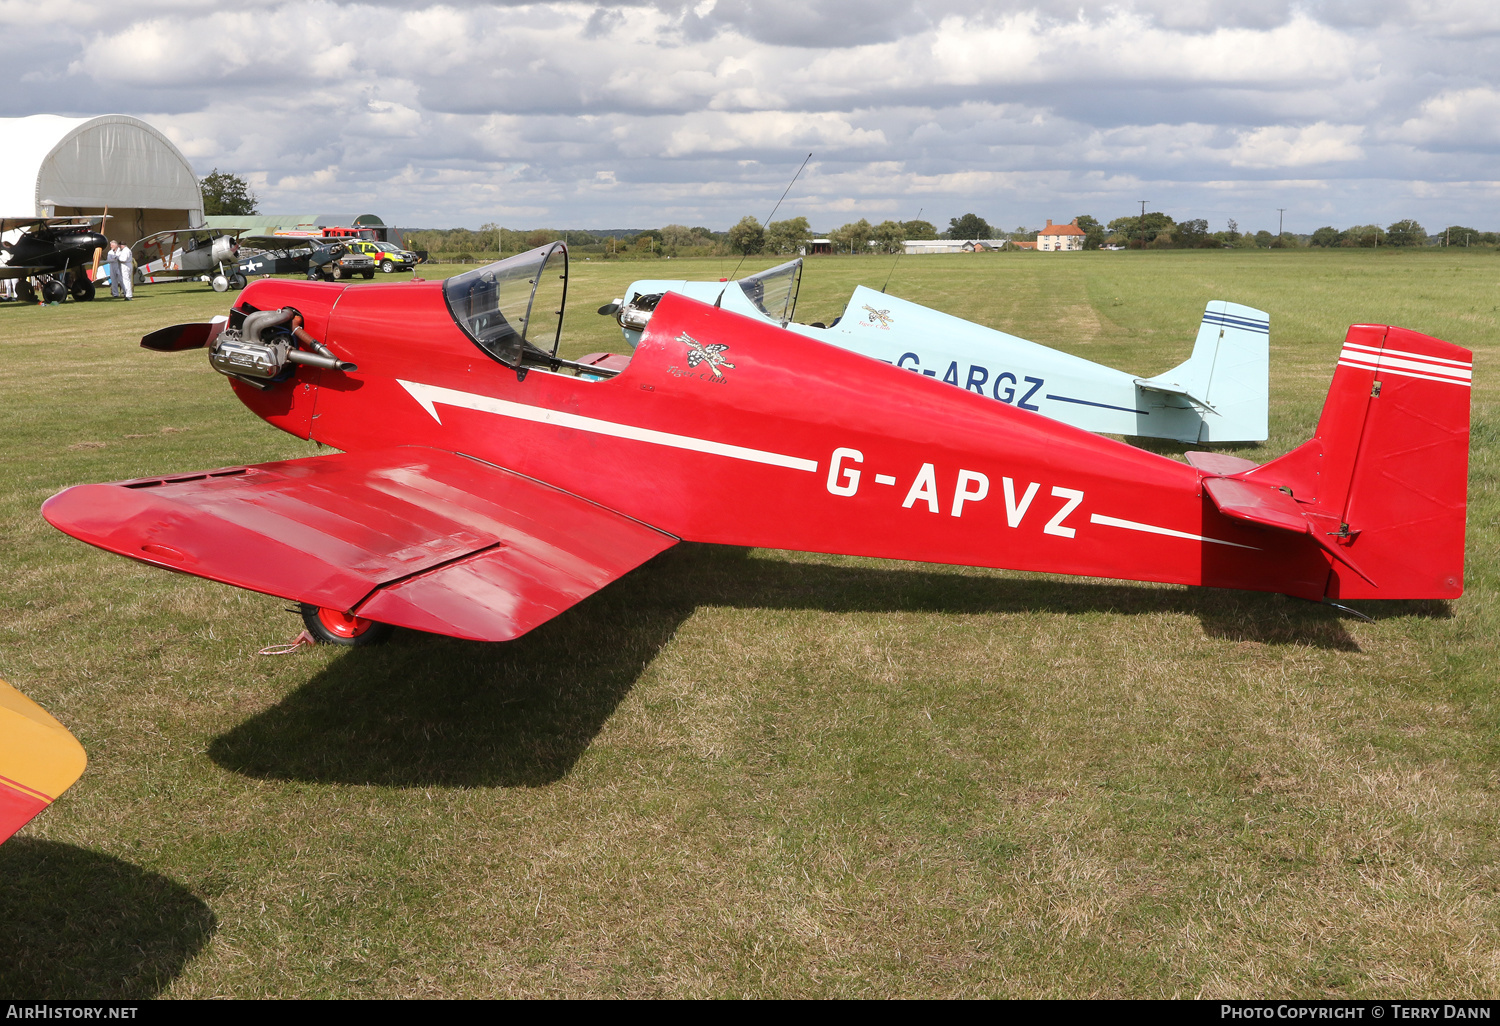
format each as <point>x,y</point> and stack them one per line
<point>54,166</point>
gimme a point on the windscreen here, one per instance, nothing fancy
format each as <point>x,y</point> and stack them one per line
<point>774,291</point>
<point>513,302</point>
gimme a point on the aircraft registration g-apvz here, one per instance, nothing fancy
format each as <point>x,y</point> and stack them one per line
<point>1220,394</point>
<point>486,484</point>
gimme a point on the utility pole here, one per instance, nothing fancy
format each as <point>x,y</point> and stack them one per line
<point>1280,220</point>
<point>1143,207</point>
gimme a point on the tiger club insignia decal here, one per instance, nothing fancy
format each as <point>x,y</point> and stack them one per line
<point>711,354</point>
<point>882,318</point>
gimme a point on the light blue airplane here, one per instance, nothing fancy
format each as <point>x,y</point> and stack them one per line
<point>1221,394</point>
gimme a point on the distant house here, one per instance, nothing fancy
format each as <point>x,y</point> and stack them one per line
<point>815,247</point>
<point>1059,237</point>
<point>1021,245</point>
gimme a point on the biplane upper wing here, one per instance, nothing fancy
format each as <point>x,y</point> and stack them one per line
<point>39,759</point>
<point>411,536</point>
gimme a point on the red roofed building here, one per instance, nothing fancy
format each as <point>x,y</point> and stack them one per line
<point>1060,236</point>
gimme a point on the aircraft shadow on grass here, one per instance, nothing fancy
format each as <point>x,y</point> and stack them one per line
<point>426,710</point>
<point>77,924</point>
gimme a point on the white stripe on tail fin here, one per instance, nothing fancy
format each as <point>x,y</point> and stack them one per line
<point>1228,375</point>
<point>1383,484</point>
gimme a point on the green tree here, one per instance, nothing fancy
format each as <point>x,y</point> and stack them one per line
<point>1264,239</point>
<point>1407,233</point>
<point>1326,236</point>
<point>1194,234</point>
<point>224,193</point>
<point>890,235</point>
<point>788,236</point>
<point>853,237</point>
<point>970,226</point>
<point>919,229</point>
<point>1093,231</point>
<point>1461,235</point>
<point>747,236</point>
<point>1364,236</point>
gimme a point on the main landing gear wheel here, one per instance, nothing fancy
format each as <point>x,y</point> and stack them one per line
<point>83,290</point>
<point>334,627</point>
<point>220,283</point>
<point>54,291</point>
<point>238,281</point>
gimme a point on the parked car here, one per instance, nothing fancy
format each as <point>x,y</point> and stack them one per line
<point>387,257</point>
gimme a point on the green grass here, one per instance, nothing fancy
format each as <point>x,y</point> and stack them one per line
<point>747,772</point>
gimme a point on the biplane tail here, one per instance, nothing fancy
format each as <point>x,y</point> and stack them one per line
<point>1228,376</point>
<point>1383,484</point>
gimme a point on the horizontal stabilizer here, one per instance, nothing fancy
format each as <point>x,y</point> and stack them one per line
<point>410,536</point>
<point>1172,388</point>
<point>1219,463</point>
<point>1269,506</point>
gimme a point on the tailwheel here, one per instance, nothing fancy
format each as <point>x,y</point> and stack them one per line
<point>334,627</point>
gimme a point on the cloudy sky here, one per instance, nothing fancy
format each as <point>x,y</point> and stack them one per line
<point>641,114</point>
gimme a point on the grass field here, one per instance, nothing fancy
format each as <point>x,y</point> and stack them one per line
<point>761,773</point>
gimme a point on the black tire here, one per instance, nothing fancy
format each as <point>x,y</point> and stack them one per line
<point>387,266</point>
<point>83,290</point>
<point>336,273</point>
<point>369,275</point>
<point>332,627</point>
<point>54,291</point>
<point>238,281</point>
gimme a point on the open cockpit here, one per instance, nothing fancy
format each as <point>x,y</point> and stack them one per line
<point>513,310</point>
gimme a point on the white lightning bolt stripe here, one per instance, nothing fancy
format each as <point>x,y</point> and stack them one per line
<point>1131,525</point>
<point>1411,356</point>
<point>1385,361</point>
<point>429,396</point>
<point>1384,370</point>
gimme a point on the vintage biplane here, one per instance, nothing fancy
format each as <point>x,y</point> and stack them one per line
<point>226,257</point>
<point>486,483</point>
<point>54,255</point>
<point>39,760</point>
<point>1220,394</point>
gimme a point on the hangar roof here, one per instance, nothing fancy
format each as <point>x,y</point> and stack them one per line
<point>48,162</point>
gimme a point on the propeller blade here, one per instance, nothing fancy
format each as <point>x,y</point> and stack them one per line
<point>179,337</point>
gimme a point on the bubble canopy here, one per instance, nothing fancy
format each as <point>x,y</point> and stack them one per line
<point>513,308</point>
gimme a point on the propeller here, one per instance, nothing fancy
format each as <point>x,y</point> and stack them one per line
<point>179,337</point>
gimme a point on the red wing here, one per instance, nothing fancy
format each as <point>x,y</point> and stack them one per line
<point>410,536</point>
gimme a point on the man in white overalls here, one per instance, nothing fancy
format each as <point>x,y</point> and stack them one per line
<point>127,272</point>
<point>112,261</point>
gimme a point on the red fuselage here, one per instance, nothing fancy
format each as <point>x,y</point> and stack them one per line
<point>775,441</point>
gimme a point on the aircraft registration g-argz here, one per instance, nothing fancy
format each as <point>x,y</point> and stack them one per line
<point>1220,394</point>
<point>486,484</point>
<point>58,252</point>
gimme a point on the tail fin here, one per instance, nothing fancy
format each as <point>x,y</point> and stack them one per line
<point>1228,375</point>
<point>1383,484</point>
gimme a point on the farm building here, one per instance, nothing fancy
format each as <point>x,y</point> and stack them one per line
<point>918,246</point>
<point>60,167</point>
<point>1060,237</point>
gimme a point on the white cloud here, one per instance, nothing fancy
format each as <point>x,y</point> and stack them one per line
<point>460,113</point>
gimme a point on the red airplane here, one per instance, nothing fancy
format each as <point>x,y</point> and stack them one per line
<point>486,484</point>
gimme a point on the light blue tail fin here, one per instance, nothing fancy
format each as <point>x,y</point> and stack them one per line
<point>1228,377</point>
